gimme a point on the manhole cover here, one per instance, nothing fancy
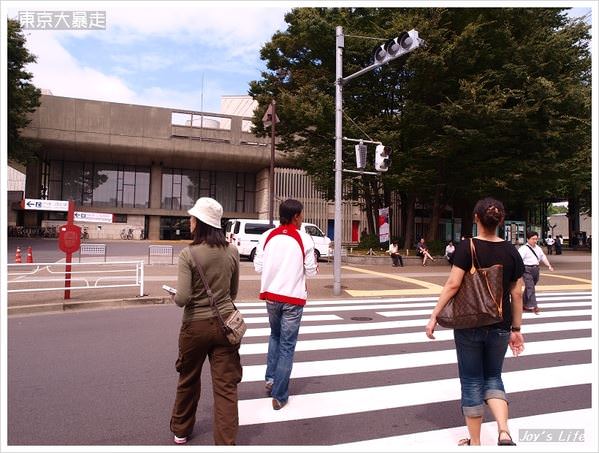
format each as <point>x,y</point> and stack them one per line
<point>360,318</point>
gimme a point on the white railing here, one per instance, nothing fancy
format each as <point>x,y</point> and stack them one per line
<point>51,276</point>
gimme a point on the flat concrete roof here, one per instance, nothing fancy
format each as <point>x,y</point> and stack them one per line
<point>87,130</point>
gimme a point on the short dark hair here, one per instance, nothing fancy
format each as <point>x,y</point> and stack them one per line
<point>530,234</point>
<point>289,209</point>
<point>490,212</point>
<point>207,234</point>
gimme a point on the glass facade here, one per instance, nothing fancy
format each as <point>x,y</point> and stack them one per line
<point>99,184</point>
<point>181,188</point>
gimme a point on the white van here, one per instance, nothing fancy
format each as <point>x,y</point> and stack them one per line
<point>245,233</point>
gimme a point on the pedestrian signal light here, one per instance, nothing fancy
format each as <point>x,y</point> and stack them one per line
<point>361,156</point>
<point>382,158</point>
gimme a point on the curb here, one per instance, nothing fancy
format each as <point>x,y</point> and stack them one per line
<point>82,305</point>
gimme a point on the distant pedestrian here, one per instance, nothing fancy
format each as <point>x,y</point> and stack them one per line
<point>422,251</point>
<point>396,258</point>
<point>481,350</point>
<point>559,241</point>
<point>285,257</point>
<point>201,334</point>
<point>449,251</point>
<point>532,255</point>
<point>550,242</point>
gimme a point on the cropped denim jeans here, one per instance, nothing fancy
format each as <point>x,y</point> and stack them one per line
<point>480,352</point>
<point>284,328</point>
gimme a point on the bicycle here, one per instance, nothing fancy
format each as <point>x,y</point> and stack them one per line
<point>127,235</point>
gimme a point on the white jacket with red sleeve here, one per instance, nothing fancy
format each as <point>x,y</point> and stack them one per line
<point>285,257</point>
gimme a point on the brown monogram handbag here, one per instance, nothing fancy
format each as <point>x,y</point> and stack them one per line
<point>479,300</point>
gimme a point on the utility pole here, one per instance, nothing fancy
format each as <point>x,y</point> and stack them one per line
<point>338,231</point>
<point>392,49</point>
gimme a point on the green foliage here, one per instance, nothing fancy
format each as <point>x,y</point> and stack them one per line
<point>556,210</point>
<point>497,103</point>
<point>370,241</point>
<point>436,248</point>
<point>22,95</point>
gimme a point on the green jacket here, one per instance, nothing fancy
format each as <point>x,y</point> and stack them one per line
<point>221,267</point>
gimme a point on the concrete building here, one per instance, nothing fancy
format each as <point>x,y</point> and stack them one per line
<point>148,165</point>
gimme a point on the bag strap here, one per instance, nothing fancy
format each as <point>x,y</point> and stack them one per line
<point>473,256</point>
<point>533,252</point>
<point>484,275</point>
<point>208,290</point>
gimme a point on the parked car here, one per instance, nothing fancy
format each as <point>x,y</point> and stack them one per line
<point>245,233</point>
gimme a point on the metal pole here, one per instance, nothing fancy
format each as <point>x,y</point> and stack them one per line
<point>271,178</point>
<point>338,232</point>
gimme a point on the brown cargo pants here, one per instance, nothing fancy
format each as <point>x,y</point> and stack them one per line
<point>198,339</point>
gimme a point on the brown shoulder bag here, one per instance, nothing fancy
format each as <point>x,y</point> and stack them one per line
<point>479,300</point>
<point>234,326</point>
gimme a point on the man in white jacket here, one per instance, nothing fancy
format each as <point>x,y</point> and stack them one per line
<point>285,257</point>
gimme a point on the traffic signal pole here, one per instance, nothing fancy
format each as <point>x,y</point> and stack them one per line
<point>401,45</point>
<point>338,231</point>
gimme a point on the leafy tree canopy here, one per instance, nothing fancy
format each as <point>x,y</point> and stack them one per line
<point>497,102</point>
<point>23,96</point>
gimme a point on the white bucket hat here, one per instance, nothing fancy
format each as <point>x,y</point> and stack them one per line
<point>208,211</point>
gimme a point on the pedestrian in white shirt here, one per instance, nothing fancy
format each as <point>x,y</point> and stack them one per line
<point>549,241</point>
<point>532,255</point>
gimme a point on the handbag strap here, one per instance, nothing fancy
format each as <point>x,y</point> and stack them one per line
<point>486,278</point>
<point>473,256</point>
<point>208,290</point>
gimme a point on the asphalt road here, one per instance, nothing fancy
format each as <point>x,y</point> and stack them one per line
<point>107,377</point>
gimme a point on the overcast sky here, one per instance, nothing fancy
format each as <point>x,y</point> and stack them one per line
<point>157,53</point>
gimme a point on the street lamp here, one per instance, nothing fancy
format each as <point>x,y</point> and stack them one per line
<point>392,49</point>
<point>270,118</point>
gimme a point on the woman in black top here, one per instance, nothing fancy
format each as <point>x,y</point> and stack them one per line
<point>481,350</point>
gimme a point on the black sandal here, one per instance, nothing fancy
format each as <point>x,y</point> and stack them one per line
<point>504,442</point>
<point>463,442</point>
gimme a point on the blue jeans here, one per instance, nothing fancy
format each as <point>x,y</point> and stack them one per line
<point>284,322</point>
<point>480,351</point>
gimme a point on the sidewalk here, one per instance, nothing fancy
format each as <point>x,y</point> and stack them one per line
<point>356,276</point>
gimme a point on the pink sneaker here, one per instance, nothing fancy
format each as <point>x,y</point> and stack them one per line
<point>180,440</point>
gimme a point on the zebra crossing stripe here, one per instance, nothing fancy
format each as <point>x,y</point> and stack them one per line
<point>540,297</point>
<point>306,318</point>
<point>400,338</point>
<point>326,404</point>
<point>383,325</point>
<point>545,314</point>
<point>446,439</point>
<point>333,367</point>
<point>372,305</point>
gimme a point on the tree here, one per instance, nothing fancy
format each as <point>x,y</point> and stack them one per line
<point>497,103</point>
<point>23,96</point>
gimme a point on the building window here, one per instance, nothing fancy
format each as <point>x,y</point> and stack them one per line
<point>181,189</point>
<point>99,184</point>
<point>119,218</point>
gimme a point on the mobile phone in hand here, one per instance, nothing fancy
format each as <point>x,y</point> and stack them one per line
<point>169,289</point>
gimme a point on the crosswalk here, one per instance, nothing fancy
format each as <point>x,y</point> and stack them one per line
<point>366,378</point>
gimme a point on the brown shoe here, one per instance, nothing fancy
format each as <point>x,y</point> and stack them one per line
<point>277,405</point>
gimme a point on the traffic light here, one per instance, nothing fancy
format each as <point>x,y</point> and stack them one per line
<point>360,155</point>
<point>396,47</point>
<point>381,158</point>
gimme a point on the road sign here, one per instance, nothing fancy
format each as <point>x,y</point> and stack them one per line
<point>96,217</point>
<point>267,118</point>
<point>69,238</point>
<point>45,205</point>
